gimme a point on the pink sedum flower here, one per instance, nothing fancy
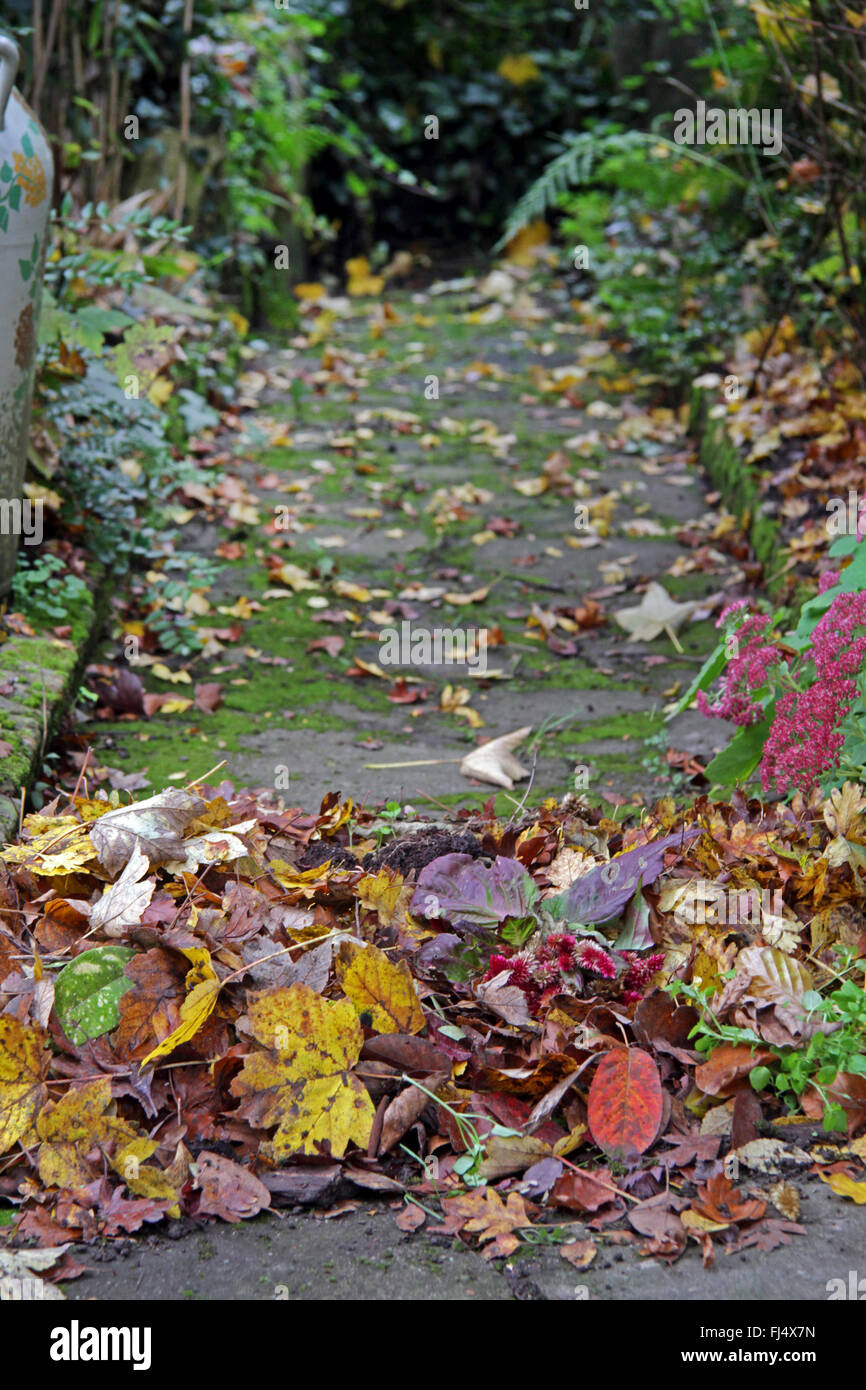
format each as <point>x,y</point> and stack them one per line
<point>745,673</point>
<point>806,739</point>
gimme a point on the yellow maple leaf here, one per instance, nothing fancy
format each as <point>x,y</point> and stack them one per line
<point>518,69</point>
<point>360,281</point>
<point>203,985</point>
<point>303,1083</point>
<point>24,1061</point>
<point>380,892</point>
<point>77,1123</point>
<point>293,575</point>
<point>240,324</point>
<point>531,487</point>
<point>379,988</point>
<point>64,848</point>
<point>156,1183</point>
<point>346,589</point>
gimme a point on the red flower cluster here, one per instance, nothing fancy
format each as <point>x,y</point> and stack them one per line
<point>544,972</point>
<point>640,972</point>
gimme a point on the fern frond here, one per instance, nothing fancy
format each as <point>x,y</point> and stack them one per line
<point>574,166</point>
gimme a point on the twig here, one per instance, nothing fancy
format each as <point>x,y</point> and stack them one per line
<point>415,762</point>
<point>196,780</point>
<point>81,775</point>
<point>516,812</point>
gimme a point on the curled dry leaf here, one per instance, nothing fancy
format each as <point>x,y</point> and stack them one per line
<point>843,809</point>
<point>513,1153</point>
<point>228,1190</point>
<point>727,1066</point>
<point>203,985</point>
<point>506,1000</point>
<point>405,1108</point>
<point>411,1217</point>
<point>767,992</point>
<point>123,903</point>
<point>585,1191</point>
<point>579,1253</point>
<point>154,826</point>
<point>495,762</point>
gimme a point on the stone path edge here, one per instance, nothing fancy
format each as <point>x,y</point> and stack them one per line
<point>729,472</point>
<point>48,673</point>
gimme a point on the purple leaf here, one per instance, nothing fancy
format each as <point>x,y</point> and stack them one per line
<point>604,891</point>
<point>458,888</point>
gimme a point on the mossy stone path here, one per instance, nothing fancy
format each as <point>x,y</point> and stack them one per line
<point>393,506</point>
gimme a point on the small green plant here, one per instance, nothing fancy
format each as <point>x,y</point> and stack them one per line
<point>468,1165</point>
<point>384,826</point>
<point>392,812</point>
<point>816,1064</point>
<point>46,591</point>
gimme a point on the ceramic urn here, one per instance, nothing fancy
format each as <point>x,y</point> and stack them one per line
<point>25,198</point>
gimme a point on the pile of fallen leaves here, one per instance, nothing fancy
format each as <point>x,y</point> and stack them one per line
<point>210,1005</point>
<point>798,417</point>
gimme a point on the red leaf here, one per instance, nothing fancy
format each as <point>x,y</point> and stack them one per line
<point>208,696</point>
<point>625,1101</point>
<point>332,645</point>
<point>581,1190</point>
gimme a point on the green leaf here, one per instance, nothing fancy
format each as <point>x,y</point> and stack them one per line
<point>844,545</point>
<point>636,934</point>
<point>88,990</point>
<point>835,1119</point>
<point>712,667</point>
<point>197,414</point>
<point>451,1030</point>
<point>736,763</point>
<point>760,1078</point>
<point>518,930</point>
